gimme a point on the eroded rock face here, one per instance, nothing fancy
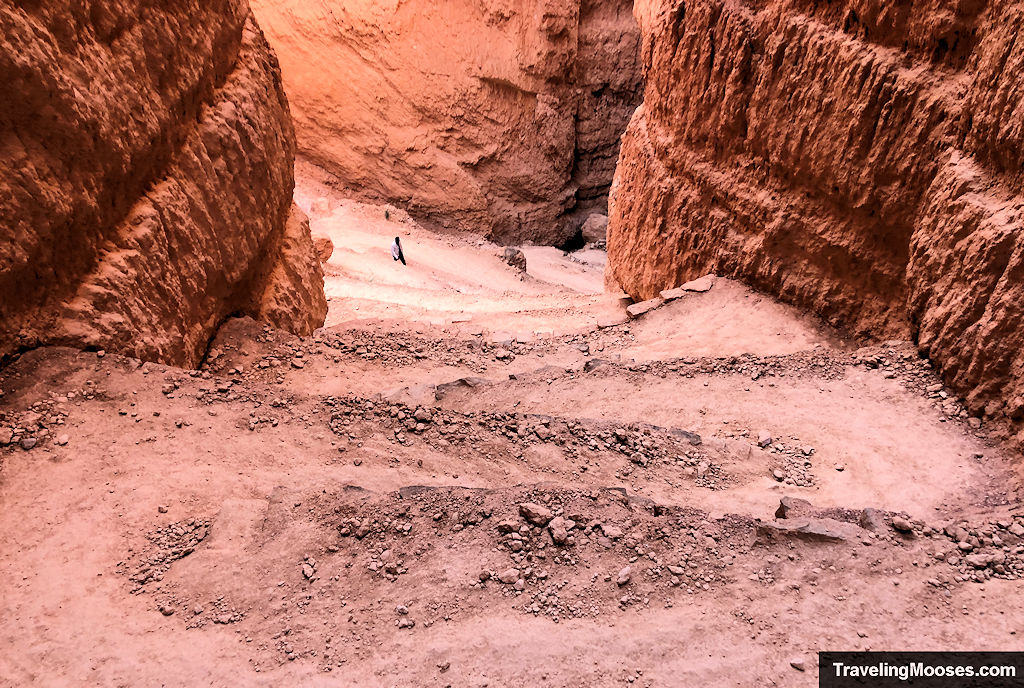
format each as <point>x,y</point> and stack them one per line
<point>147,179</point>
<point>491,117</point>
<point>859,158</point>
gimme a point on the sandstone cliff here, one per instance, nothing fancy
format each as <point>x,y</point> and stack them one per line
<point>147,179</point>
<point>859,158</point>
<point>497,118</point>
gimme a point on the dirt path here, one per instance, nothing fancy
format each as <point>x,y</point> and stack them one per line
<point>346,509</point>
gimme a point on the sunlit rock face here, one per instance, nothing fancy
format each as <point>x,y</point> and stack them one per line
<point>147,179</point>
<point>859,158</point>
<point>491,117</point>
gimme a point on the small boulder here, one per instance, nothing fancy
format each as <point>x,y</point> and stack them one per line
<point>625,575</point>
<point>792,507</point>
<point>535,513</point>
<point>764,438</point>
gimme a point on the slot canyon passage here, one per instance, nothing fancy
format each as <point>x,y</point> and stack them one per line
<point>242,445</point>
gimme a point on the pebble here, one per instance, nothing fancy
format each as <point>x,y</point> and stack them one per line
<point>625,575</point>
<point>798,663</point>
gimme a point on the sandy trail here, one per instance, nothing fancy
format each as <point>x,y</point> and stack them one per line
<point>233,499</point>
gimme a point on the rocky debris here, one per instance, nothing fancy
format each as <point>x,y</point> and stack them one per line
<point>165,546</point>
<point>515,258</point>
<point>638,309</point>
<point>901,362</point>
<point>645,446</point>
<point>38,424</point>
<point>595,229</point>
<point>791,462</point>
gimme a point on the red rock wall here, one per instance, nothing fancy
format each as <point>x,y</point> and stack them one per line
<point>491,117</point>
<point>147,177</point>
<point>859,158</point>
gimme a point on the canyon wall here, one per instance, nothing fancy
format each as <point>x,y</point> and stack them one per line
<point>859,158</point>
<point>147,179</point>
<point>497,118</point>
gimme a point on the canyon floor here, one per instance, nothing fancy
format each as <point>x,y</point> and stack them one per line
<point>463,480</point>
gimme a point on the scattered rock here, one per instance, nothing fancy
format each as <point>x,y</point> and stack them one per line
<point>535,513</point>
<point>902,525</point>
<point>638,309</point>
<point>515,257</point>
<point>559,529</point>
<point>509,576</point>
<point>793,507</point>
<point>625,575</point>
<point>798,663</point>
<point>28,443</point>
<point>872,519</point>
<point>698,285</point>
<point>764,438</point>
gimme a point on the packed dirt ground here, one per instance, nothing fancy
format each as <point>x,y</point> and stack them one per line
<point>478,477</point>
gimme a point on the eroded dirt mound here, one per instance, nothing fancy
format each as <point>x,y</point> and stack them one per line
<point>147,181</point>
<point>497,118</point>
<point>858,160</point>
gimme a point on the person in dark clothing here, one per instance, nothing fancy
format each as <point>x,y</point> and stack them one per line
<point>396,251</point>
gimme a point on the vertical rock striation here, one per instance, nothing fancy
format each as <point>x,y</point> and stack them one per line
<point>147,179</point>
<point>859,158</point>
<point>496,118</point>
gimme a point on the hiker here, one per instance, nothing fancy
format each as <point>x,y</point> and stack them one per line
<point>396,251</point>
